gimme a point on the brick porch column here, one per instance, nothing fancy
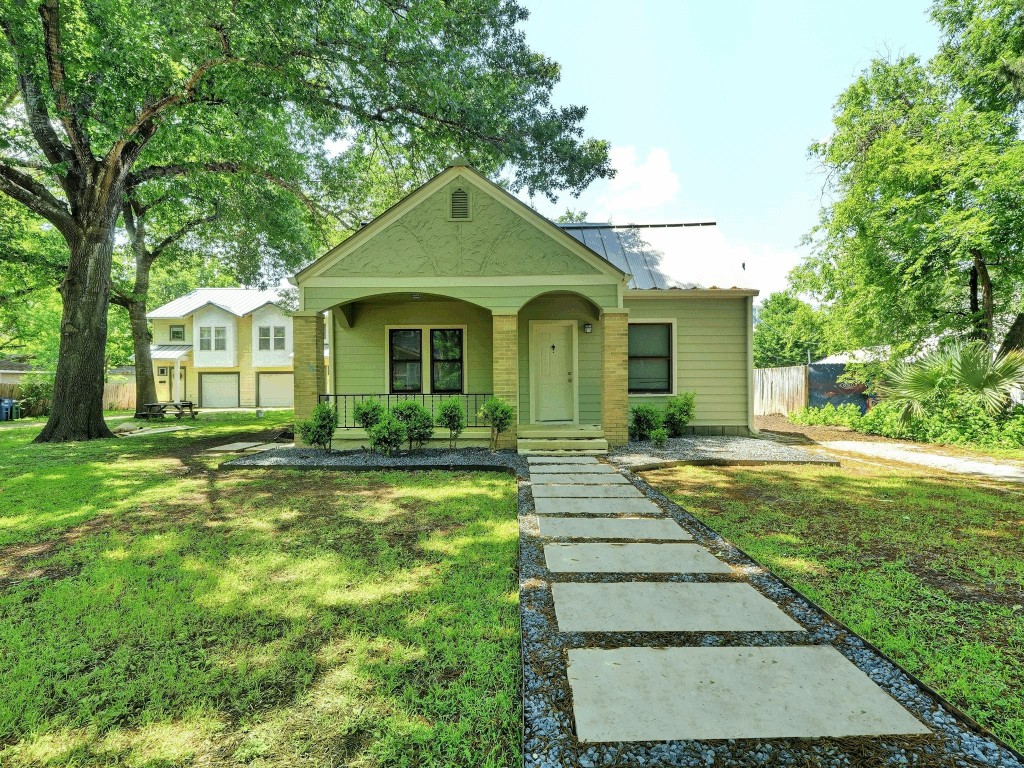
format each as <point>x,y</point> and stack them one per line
<point>308,343</point>
<point>615,377</point>
<point>505,372</point>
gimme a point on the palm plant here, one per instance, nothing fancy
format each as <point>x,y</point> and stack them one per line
<point>964,366</point>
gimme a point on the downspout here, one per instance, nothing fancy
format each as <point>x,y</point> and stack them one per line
<point>750,365</point>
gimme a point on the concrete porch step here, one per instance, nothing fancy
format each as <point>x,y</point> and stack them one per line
<point>560,453</point>
<point>553,431</point>
<point>566,446</point>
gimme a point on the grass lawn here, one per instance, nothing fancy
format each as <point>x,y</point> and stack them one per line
<point>929,567</point>
<point>155,612</point>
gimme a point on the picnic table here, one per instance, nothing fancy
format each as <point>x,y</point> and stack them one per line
<point>176,409</point>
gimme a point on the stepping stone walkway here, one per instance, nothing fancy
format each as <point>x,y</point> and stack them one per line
<point>593,523</point>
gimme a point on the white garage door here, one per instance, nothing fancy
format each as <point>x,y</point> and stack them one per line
<point>276,390</point>
<point>218,390</point>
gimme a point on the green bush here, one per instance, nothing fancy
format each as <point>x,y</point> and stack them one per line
<point>318,429</point>
<point>387,435</point>
<point>845,415</point>
<point>643,420</point>
<point>659,437</point>
<point>36,394</point>
<point>419,424</point>
<point>500,415</point>
<point>367,413</point>
<point>957,418</point>
<point>679,412</point>
<point>452,417</point>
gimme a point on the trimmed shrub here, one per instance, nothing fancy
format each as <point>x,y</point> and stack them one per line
<point>643,420</point>
<point>452,417</point>
<point>659,437</point>
<point>367,413</point>
<point>500,415</point>
<point>387,435</point>
<point>679,412</point>
<point>318,429</point>
<point>419,424</point>
<point>845,415</point>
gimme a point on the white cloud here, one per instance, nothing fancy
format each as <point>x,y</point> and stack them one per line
<point>640,186</point>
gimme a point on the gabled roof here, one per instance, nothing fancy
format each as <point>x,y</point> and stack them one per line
<point>237,301</point>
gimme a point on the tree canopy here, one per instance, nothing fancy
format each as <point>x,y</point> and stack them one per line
<point>788,331</point>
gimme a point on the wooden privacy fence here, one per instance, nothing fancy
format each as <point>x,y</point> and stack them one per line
<point>780,390</point>
<point>117,395</point>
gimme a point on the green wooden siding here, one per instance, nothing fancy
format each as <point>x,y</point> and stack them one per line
<point>710,354</point>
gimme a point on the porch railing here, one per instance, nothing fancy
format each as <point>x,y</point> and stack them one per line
<point>345,404</point>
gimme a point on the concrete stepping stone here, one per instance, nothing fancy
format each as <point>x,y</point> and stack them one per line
<point>632,558</point>
<point>232,447</point>
<point>650,607</point>
<point>657,694</point>
<point>574,506</point>
<point>587,491</point>
<point>561,460</point>
<point>576,469</point>
<point>611,528</point>
<point>564,478</point>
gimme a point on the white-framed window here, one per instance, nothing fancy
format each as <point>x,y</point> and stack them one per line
<point>205,338</point>
<point>220,338</point>
<point>278,337</point>
<point>650,358</point>
<point>177,333</point>
<point>271,337</point>
<point>426,358</point>
<point>264,337</point>
<point>161,370</point>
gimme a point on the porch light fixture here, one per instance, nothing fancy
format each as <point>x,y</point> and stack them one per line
<point>588,328</point>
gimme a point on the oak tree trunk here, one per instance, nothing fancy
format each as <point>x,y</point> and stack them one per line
<point>77,411</point>
<point>1015,336</point>
<point>145,382</point>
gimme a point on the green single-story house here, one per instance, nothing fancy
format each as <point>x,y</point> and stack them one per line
<point>462,290</point>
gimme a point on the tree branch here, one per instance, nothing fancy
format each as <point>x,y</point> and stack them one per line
<point>49,12</point>
<point>38,199</point>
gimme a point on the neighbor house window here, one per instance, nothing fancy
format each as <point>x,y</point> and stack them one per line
<point>177,333</point>
<point>405,350</point>
<point>205,335</point>
<point>161,371</point>
<point>265,337</point>
<point>220,338</point>
<point>650,358</point>
<point>446,360</point>
<point>278,337</point>
<point>272,337</point>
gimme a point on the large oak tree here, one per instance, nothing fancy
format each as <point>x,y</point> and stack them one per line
<point>102,99</point>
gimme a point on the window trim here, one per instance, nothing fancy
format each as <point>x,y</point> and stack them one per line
<point>462,362</point>
<point>170,332</point>
<point>283,337</point>
<point>424,329</point>
<point>391,365</point>
<point>259,338</point>
<point>224,338</point>
<point>673,355</point>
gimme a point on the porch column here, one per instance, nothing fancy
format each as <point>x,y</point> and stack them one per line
<point>308,362</point>
<point>177,379</point>
<point>615,377</point>
<point>505,372</point>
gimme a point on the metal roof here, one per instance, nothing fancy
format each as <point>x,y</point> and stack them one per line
<point>169,351</point>
<point>625,247</point>
<point>237,301</point>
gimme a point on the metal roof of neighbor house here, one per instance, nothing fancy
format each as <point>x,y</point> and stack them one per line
<point>169,351</point>
<point>237,301</point>
<point>628,247</point>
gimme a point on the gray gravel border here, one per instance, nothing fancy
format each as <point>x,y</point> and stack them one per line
<point>713,450</point>
<point>360,460</point>
<point>549,738</point>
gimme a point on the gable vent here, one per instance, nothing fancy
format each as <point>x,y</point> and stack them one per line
<point>460,204</point>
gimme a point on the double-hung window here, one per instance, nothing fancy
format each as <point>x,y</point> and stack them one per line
<point>271,337</point>
<point>405,353</point>
<point>446,360</point>
<point>205,336</point>
<point>278,337</point>
<point>264,341</point>
<point>177,333</point>
<point>220,338</point>
<point>650,358</point>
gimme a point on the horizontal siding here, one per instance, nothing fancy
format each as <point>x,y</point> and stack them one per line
<point>711,355</point>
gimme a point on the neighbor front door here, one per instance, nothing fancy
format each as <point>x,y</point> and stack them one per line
<point>553,391</point>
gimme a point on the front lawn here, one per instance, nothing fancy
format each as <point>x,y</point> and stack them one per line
<point>929,567</point>
<point>156,612</point>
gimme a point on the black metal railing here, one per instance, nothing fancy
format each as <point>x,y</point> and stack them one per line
<point>345,404</point>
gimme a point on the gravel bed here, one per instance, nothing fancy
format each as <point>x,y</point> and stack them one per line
<point>713,449</point>
<point>363,460</point>
<point>549,740</point>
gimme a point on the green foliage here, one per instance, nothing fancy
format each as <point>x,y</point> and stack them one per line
<point>679,412</point>
<point>368,413</point>
<point>387,435</point>
<point>318,429</point>
<point>571,217</point>
<point>452,416</point>
<point>845,415</point>
<point>659,437</point>
<point>419,424</point>
<point>643,420</point>
<point>36,393</point>
<point>787,330</point>
<point>500,415</point>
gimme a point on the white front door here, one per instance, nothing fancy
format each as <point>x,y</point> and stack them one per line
<point>553,394</point>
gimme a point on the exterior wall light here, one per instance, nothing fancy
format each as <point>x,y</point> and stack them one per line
<point>588,328</point>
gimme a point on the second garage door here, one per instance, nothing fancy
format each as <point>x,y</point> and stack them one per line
<point>218,390</point>
<point>276,390</point>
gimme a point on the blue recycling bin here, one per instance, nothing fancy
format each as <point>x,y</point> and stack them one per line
<point>6,409</point>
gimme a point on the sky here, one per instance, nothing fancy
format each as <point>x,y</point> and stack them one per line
<point>710,107</point>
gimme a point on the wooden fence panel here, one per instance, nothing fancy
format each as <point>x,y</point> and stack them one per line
<point>780,390</point>
<point>117,395</point>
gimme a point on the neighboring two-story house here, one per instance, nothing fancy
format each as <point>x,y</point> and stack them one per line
<point>223,348</point>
